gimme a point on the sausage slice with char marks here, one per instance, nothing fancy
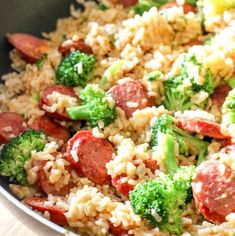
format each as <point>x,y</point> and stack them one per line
<point>31,48</point>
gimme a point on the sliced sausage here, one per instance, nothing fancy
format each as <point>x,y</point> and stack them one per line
<point>186,7</point>
<point>214,190</point>
<point>56,214</point>
<point>128,3</point>
<point>44,101</point>
<point>49,188</point>
<point>203,127</point>
<point>30,47</point>
<point>70,45</point>
<point>151,164</point>
<point>122,187</point>
<point>195,42</point>
<point>118,230</point>
<point>51,128</point>
<point>219,95</point>
<point>131,96</point>
<point>11,125</point>
<point>89,155</point>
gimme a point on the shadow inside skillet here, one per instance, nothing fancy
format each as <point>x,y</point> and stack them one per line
<point>28,16</point>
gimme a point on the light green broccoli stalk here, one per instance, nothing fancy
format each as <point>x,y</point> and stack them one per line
<point>165,129</point>
<point>228,109</point>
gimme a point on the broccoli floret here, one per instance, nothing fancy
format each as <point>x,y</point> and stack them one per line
<point>76,69</point>
<point>187,143</point>
<point>145,5</point>
<point>15,153</point>
<point>228,109</point>
<point>179,90</point>
<point>161,202</point>
<point>97,105</point>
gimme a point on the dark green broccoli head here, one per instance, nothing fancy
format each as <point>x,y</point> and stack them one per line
<point>97,105</point>
<point>162,202</point>
<point>179,90</point>
<point>228,109</point>
<point>177,95</point>
<point>76,69</point>
<point>15,153</point>
<point>188,144</point>
<point>145,5</point>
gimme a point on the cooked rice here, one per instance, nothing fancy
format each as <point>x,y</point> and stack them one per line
<point>152,42</point>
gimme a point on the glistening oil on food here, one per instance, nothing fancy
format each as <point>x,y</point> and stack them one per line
<point>122,120</point>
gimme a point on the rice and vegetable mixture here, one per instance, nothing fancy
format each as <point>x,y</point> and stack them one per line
<point>122,121</point>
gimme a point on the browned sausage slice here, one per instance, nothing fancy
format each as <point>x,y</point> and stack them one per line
<point>219,95</point>
<point>214,190</point>
<point>51,128</point>
<point>49,188</point>
<point>118,230</point>
<point>44,100</point>
<point>128,3</point>
<point>131,96</point>
<point>122,187</point>
<point>89,155</point>
<point>70,45</point>
<point>11,125</point>
<point>200,126</point>
<point>31,47</point>
<point>56,214</point>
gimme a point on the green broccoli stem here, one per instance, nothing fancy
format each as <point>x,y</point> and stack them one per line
<point>168,147</point>
<point>231,82</point>
<point>201,155</point>
<point>79,113</point>
<point>193,142</point>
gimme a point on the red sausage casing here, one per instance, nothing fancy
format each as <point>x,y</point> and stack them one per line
<point>131,96</point>
<point>62,89</point>
<point>89,155</point>
<point>31,48</point>
<point>11,125</point>
<point>214,190</point>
